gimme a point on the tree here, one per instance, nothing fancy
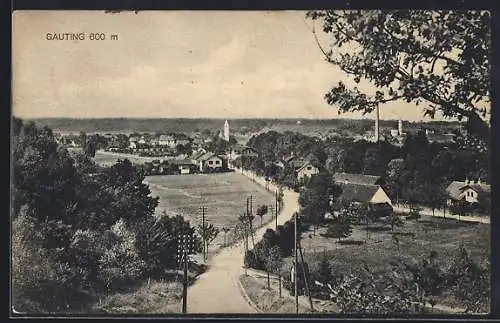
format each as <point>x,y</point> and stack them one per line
<point>395,220</point>
<point>157,241</point>
<point>90,146</point>
<point>413,55</point>
<point>261,211</point>
<point>425,279</point>
<point>314,198</point>
<point>131,197</point>
<point>324,273</point>
<point>82,139</point>
<point>208,233</point>
<point>273,261</point>
<point>470,281</point>
<point>393,176</point>
<point>436,195</point>
<point>339,229</point>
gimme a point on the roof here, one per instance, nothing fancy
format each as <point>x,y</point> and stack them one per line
<point>197,155</point>
<point>165,137</point>
<point>297,163</point>
<point>304,165</point>
<point>206,156</point>
<point>356,193</point>
<point>456,187</point>
<point>437,137</point>
<point>356,178</point>
<point>180,162</point>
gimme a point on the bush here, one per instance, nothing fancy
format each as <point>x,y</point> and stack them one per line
<point>121,265</point>
<point>40,283</point>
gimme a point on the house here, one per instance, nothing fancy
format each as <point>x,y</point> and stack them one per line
<point>307,170</point>
<point>209,162</point>
<point>470,191</point>
<point>184,166</point>
<point>243,151</point>
<point>356,178</point>
<point>372,195</point>
<point>442,138</point>
<point>182,142</point>
<point>249,152</point>
<point>197,142</point>
<point>197,154</point>
<point>142,141</point>
<point>132,142</point>
<point>167,140</point>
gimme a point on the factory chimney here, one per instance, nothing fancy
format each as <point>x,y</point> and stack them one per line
<point>376,125</point>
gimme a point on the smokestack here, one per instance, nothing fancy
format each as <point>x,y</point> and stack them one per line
<point>376,125</point>
<point>400,127</point>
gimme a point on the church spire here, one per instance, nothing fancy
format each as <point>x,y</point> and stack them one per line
<point>226,131</point>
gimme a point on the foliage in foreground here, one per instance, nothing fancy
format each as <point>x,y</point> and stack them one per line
<point>79,230</point>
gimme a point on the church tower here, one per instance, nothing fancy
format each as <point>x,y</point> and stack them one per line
<point>226,131</point>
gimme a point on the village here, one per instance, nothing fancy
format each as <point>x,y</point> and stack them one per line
<point>322,162</point>
<point>215,152</point>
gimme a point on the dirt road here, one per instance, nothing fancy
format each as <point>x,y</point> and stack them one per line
<point>217,290</point>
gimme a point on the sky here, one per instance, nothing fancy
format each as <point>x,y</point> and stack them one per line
<point>169,64</point>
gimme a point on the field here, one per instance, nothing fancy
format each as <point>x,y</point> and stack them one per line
<point>223,195</point>
<point>415,240</point>
<point>105,158</point>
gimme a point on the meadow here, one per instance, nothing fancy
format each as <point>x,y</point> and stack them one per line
<point>377,249</point>
<point>105,158</point>
<point>223,195</point>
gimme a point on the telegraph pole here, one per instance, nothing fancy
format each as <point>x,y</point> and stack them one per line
<point>251,204</point>
<point>295,272</point>
<point>305,278</point>
<point>276,206</point>
<point>184,248</point>
<point>203,228</point>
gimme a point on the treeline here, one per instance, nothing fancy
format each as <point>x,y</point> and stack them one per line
<point>80,231</point>
<point>416,173</point>
<point>408,287</point>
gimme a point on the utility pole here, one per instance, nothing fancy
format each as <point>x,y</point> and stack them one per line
<point>203,229</point>
<point>306,278</point>
<point>295,272</point>
<point>251,204</point>
<point>250,223</point>
<point>184,248</point>
<point>276,206</point>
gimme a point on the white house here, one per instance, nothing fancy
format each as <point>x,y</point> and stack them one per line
<point>470,191</point>
<point>210,162</point>
<point>306,170</point>
<point>166,140</point>
<point>132,142</point>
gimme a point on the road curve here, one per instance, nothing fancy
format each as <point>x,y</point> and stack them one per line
<point>217,290</point>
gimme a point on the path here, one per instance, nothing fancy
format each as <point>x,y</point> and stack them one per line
<point>217,290</point>
<point>439,213</point>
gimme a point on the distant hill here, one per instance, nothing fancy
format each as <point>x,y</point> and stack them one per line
<point>186,125</point>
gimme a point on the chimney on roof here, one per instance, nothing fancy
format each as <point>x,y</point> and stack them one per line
<point>466,181</point>
<point>479,180</point>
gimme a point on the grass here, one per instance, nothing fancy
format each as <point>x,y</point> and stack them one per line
<point>224,196</point>
<point>268,301</point>
<point>415,240</point>
<point>104,158</point>
<point>155,298</point>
